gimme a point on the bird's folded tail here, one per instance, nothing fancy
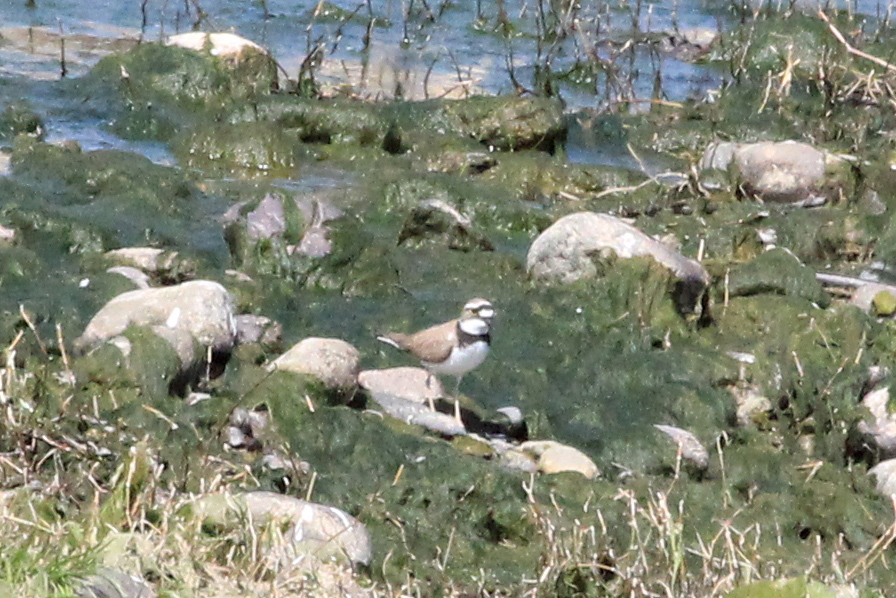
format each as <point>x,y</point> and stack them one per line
<point>391,341</point>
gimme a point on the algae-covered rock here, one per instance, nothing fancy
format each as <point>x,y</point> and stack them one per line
<point>503,122</point>
<point>435,219</point>
<point>304,239</point>
<point>20,119</point>
<point>883,304</point>
<point>193,68</point>
<point>253,147</point>
<point>879,425</point>
<point>109,198</point>
<point>776,271</point>
<point>140,278</point>
<point>247,59</point>
<point>167,266</point>
<point>309,534</point>
<point>781,172</point>
<point>752,405</point>
<point>568,249</point>
<point>800,587</point>
<point>320,215</point>
<point>336,121</point>
<point>334,362</point>
<point>251,328</point>
<point>157,360</point>
<point>271,217</point>
<point>193,318</point>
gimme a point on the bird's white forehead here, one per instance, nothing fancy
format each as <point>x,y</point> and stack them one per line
<point>481,307</point>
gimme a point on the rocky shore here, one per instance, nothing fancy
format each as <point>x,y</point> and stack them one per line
<point>687,391</point>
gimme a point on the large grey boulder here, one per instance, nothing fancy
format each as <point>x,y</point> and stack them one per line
<point>566,252</point>
<point>201,310</point>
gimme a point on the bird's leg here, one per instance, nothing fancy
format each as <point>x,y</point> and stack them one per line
<point>429,399</point>
<point>457,401</point>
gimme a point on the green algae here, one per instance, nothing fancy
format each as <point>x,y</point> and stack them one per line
<point>413,508</point>
<point>801,587</point>
<point>319,121</point>
<point>20,119</point>
<point>779,272</point>
<point>244,146</point>
<point>883,304</point>
<point>158,77</point>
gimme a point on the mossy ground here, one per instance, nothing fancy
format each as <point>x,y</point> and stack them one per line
<point>90,447</point>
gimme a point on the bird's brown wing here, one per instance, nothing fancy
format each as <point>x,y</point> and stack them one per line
<point>433,344</point>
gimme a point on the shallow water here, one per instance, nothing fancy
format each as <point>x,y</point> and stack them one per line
<point>457,50</point>
<point>423,49</point>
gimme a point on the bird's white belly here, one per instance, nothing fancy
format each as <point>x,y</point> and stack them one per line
<point>461,360</point>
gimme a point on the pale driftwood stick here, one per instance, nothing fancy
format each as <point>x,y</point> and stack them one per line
<point>849,47</point>
<point>842,281</point>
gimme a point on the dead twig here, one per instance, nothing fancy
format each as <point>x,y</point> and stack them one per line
<point>850,48</point>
